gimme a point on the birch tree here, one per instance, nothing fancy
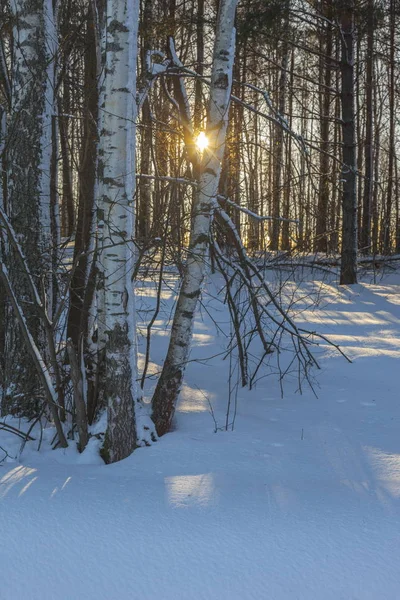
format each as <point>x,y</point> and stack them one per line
<point>126,428</point>
<point>170,381</point>
<point>28,158</point>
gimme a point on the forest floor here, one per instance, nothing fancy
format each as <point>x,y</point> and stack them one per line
<point>300,501</point>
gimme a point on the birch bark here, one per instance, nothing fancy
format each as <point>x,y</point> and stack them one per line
<point>170,381</point>
<point>116,305</point>
<point>28,158</point>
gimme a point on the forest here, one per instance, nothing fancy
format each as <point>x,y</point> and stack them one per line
<point>200,236</point>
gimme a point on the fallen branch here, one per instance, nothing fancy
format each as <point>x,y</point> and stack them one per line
<point>14,430</point>
<point>41,367</point>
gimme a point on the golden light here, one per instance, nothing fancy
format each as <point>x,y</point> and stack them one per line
<point>202,141</point>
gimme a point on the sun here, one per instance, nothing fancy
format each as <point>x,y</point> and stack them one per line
<point>202,141</point>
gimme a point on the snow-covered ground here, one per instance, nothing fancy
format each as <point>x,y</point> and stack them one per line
<point>300,501</point>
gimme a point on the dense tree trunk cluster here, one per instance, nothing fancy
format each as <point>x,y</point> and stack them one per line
<point>101,103</point>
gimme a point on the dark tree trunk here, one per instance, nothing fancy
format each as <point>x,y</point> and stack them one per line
<point>278,150</point>
<point>82,285</point>
<point>288,170</point>
<point>322,224</point>
<point>67,197</point>
<point>368,146</point>
<point>145,186</point>
<point>387,243</point>
<point>348,271</point>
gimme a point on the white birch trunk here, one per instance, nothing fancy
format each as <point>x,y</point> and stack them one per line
<point>30,131</point>
<point>170,381</point>
<point>28,161</point>
<point>117,323</point>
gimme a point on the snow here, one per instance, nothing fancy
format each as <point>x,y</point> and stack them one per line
<point>300,501</point>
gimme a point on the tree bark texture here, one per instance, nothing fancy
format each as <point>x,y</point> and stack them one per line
<point>170,381</point>
<point>29,149</point>
<point>126,427</point>
<point>348,270</point>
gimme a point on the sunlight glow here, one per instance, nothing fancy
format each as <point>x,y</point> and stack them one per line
<point>13,477</point>
<point>27,486</point>
<point>202,141</point>
<point>386,469</point>
<point>190,490</point>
